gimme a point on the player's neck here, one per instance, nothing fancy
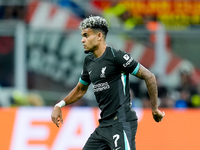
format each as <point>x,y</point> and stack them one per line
<point>101,49</point>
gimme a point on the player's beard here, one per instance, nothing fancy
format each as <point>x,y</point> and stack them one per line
<point>90,50</point>
<point>87,51</point>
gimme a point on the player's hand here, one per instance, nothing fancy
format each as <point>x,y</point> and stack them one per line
<point>158,115</point>
<point>56,116</point>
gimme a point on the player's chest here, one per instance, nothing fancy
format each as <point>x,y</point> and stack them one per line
<point>102,70</point>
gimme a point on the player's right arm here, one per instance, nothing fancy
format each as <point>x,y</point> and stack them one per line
<point>76,93</point>
<point>72,97</point>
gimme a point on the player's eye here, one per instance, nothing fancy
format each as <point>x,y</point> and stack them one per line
<point>85,35</point>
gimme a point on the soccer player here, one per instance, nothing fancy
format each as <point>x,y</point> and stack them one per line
<point>108,70</point>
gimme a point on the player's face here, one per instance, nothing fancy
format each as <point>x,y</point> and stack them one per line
<point>89,40</point>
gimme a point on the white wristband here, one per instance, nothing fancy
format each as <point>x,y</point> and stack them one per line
<point>61,104</point>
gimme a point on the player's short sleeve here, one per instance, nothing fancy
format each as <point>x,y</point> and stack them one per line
<point>126,62</point>
<point>85,79</point>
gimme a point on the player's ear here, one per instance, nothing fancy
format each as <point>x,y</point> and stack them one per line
<point>100,36</point>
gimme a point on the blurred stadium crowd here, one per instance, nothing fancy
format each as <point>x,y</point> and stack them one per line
<point>120,16</point>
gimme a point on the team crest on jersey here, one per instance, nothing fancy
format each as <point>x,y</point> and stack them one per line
<point>103,72</point>
<point>126,57</point>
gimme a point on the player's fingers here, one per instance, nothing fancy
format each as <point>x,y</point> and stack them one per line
<point>57,124</point>
<point>156,118</point>
<point>61,119</point>
<point>55,120</point>
<point>163,113</point>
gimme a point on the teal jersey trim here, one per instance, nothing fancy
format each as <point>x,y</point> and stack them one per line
<point>136,69</point>
<point>83,82</point>
<point>112,52</point>
<point>127,146</point>
<point>123,78</point>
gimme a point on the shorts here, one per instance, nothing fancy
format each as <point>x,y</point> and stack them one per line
<point>119,136</point>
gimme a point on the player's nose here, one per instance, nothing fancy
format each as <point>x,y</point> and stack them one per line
<point>83,40</point>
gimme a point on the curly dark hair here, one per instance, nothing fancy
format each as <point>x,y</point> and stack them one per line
<point>95,23</point>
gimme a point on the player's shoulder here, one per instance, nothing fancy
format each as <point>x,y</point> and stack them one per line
<point>115,52</point>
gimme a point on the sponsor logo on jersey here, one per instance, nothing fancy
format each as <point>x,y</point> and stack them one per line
<point>128,62</point>
<point>101,87</point>
<point>126,57</point>
<point>103,72</point>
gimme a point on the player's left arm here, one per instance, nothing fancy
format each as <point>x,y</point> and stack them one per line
<point>150,81</point>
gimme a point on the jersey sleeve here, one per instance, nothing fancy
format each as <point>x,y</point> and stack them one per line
<point>126,62</point>
<point>85,79</point>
